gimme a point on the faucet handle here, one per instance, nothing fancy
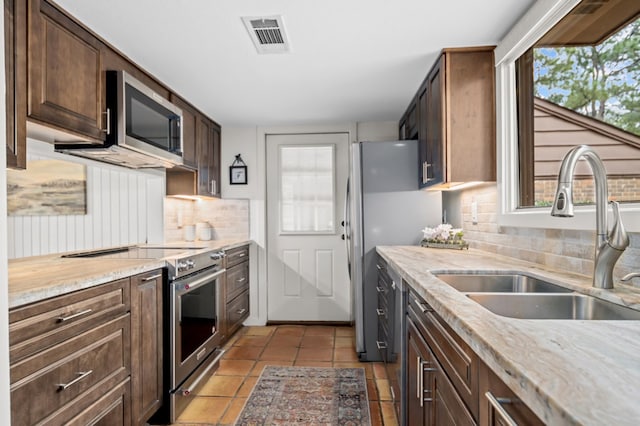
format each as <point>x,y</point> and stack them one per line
<point>618,238</point>
<point>630,276</point>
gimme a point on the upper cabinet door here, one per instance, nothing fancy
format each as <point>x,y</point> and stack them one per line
<point>190,118</point>
<point>65,73</point>
<point>15,41</point>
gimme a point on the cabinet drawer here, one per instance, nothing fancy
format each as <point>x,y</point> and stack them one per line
<point>237,280</point>
<point>111,409</point>
<point>41,325</point>
<point>459,362</point>
<point>499,405</point>
<point>237,255</point>
<point>63,374</point>
<point>237,311</point>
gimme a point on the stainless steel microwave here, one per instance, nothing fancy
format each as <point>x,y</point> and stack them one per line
<point>143,128</point>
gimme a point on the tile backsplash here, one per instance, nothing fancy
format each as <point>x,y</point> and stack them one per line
<point>566,249</point>
<point>228,218</point>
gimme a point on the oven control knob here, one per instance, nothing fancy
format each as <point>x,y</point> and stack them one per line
<point>182,266</point>
<point>190,264</point>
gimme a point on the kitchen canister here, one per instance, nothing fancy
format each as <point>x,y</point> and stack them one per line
<point>203,231</point>
<point>189,232</point>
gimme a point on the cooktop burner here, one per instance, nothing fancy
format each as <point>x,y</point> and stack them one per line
<point>137,252</point>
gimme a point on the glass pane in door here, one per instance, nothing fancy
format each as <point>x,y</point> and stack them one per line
<point>307,189</point>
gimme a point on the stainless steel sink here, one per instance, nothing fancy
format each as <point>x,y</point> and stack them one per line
<point>553,306</point>
<point>500,283</point>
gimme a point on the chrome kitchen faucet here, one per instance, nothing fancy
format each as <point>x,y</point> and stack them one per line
<point>609,245</point>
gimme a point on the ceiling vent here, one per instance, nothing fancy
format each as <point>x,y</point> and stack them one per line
<point>267,33</point>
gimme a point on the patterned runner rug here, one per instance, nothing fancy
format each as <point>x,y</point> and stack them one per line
<point>308,396</point>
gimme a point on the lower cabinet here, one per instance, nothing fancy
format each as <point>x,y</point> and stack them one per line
<point>446,383</point>
<point>146,345</point>
<point>93,356</point>
<point>236,291</point>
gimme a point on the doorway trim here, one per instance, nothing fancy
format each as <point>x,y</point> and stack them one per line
<point>259,205</point>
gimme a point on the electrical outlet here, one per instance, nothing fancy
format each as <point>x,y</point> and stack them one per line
<point>474,212</point>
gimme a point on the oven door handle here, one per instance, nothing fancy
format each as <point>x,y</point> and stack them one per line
<point>199,282</point>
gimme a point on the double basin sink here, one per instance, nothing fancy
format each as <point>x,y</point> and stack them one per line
<point>518,295</point>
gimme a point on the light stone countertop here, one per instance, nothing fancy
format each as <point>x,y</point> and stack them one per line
<point>568,372</point>
<point>36,278</point>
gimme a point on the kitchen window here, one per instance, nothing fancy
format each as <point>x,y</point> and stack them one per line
<point>543,110</point>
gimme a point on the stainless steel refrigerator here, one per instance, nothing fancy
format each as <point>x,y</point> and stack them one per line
<point>384,207</point>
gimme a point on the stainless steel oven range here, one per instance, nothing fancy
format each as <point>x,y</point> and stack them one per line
<point>194,321</point>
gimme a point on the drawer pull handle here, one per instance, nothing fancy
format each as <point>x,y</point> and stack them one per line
<point>241,311</point>
<point>242,255</point>
<point>381,345</point>
<point>380,312</point>
<point>243,279</point>
<point>81,375</point>
<point>423,307</point>
<point>499,410</point>
<point>422,368</point>
<point>76,315</point>
<point>379,289</point>
<point>152,277</point>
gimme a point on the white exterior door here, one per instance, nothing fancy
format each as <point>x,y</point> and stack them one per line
<point>307,261</point>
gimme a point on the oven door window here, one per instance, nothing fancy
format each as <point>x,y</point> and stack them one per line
<point>149,121</point>
<point>198,318</point>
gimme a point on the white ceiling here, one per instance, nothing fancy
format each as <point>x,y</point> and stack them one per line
<point>351,60</point>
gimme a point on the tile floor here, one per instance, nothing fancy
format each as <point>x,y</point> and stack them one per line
<point>222,398</point>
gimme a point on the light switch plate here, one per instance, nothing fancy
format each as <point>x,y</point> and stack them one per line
<point>474,212</point>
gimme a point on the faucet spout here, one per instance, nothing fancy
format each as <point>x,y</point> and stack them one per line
<point>608,248</point>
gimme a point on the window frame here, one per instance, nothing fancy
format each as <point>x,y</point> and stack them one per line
<point>334,230</point>
<point>538,20</point>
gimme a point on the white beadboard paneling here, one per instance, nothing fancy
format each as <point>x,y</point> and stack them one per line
<point>124,206</point>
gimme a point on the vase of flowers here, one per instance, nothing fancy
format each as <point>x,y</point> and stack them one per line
<point>444,236</point>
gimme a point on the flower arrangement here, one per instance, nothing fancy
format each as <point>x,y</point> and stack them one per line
<point>444,236</point>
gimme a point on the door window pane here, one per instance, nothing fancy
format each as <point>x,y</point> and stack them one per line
<point>307,188</point>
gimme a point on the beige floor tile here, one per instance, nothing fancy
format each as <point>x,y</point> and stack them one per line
<point>384,392</point>
<point>285,340</point>
<point>279,353</point>
<point>290,330</point>
<point>372,391</point>
<point>345,355</point>
<point>257,369</point>
<point>311,341</point>
<point>243,352</point>
<point>221,386</point>
<point>345,342</point>
<point>259,331</point>
<point>234,367</point>
<point>376,414</point>
<point>379,370</point>
<point>247,386</point>
<point>320,330</point>
<point>233,411</point>
<point>204,410</point>
<point>251,340</point>
<point>388,414</point>
<point>344,332</point>
<point>315,354</point>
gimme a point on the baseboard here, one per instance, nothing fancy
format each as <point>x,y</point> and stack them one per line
<point>327,323</point>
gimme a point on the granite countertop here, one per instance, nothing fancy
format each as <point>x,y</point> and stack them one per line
<point>36,278</point>
<point>567,371</point>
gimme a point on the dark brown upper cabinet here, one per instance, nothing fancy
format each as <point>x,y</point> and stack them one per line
<point>15,28</point>
<point>65,73</point>
<point>454,111</point>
